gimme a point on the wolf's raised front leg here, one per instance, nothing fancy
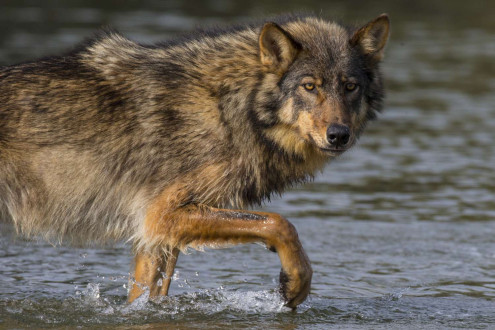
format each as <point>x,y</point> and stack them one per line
<point>153,272</point>
<point>198,226</point>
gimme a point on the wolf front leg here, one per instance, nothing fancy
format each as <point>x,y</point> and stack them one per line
<point>198,226</point>
<point>153,272</point>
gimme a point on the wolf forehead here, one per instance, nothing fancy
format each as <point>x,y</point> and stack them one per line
<point>326,44</point>
<point>317,35</point>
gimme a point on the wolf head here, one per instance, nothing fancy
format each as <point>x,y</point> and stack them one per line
<point>325,79</point>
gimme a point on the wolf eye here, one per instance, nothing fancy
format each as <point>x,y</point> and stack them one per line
<point>350,87</point>
<point>309,86</point>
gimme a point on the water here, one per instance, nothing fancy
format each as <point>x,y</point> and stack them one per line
<point>400,230</point>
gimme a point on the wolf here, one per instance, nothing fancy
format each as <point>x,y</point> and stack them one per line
<point>165,145</point>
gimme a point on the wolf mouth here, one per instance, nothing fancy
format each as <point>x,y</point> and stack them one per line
<point>334,151</point>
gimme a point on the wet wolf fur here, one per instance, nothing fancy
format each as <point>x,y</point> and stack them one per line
<point>118,140</point>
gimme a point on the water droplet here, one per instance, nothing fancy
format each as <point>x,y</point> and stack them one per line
<point>92,291</point>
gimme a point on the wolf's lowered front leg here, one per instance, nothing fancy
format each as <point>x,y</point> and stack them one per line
<point>198,226</point>
<point>153,272</point>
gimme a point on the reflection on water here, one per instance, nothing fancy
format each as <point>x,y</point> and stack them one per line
<point>400,230</point>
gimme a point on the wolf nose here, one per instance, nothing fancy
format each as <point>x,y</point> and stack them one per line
<point>338,135</point>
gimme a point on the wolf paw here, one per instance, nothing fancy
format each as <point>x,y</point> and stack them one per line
<point>295,288</point>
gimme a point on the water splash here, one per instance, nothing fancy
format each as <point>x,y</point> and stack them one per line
<point>221,300</point>
<point>92,292</point>
<point>139,304</point>
<point>92,306</point>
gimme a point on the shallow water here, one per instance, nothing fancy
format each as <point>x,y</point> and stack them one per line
<point>400,230</point>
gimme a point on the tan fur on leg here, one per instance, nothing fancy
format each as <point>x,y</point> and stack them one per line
<point>149,270</point>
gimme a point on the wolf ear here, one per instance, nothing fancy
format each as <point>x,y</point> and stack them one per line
<point>373,37</point>
<point>277,48</point>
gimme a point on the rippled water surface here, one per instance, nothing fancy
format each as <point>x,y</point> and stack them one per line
<point>400,230</point>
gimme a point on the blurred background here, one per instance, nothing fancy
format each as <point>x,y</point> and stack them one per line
<point>400,230</point>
